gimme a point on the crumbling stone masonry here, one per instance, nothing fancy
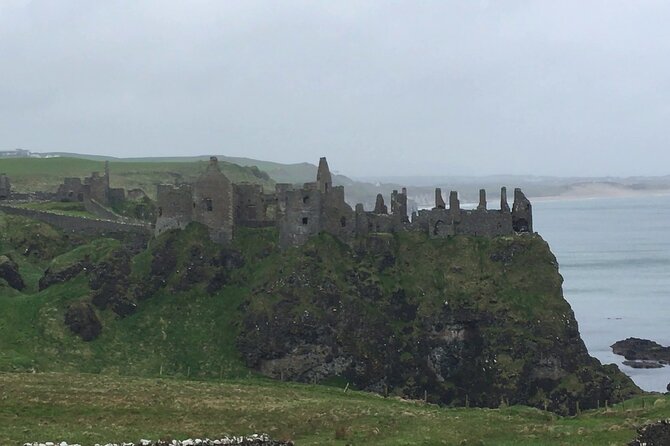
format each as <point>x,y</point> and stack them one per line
<point>253,207</point>
<point>96,188</point>
<point>302,212</point>
<point>314,208</point>
<point>208,201</point>
<point>5,187</point>
<point>484,222</point>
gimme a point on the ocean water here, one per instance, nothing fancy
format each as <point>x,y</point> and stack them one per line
<point>614,256</point>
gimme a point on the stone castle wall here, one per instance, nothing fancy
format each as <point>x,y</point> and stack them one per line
<point>175,207</point>
<point>302,212</point>
<point>78,224</point>
<point>213,203</point>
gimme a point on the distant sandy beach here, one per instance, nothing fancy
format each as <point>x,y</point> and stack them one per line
<point>601,190</point>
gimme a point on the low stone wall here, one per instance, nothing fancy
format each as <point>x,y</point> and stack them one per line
<point>79,224</point>
<point>99,210</point>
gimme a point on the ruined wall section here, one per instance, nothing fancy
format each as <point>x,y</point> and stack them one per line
<point>482,222</point>
<point>337,217</point>
<point>97,188</point>
<point>253,207</point>
<point>175,207</point>
<point>399,205</point>
<point>522,213</point>
<point>79,224</point>
<point>5,187</point>
<point>213,203</point>
<point>301,215</point>
<point>72,189</point>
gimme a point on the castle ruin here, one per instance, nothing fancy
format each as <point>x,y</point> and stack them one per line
<point>302,212</point>
<point>94,188</point>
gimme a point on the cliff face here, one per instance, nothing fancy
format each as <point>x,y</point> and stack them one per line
<point>461,321</point>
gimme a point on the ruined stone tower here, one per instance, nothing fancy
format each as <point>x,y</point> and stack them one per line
<point>314,208</point>
<point>522,213</point>
<point>213,202</point>
<point>208,201</point>
<point>323,177</point>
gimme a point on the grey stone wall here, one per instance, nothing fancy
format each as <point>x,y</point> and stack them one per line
<point>72,189</point>
<point>213,202</point>
<point>175,207</point>
<point>483,222</point>
<point>522,213</point>
<point>5,187</point>
<point>301,217</point>
<point>253,207</point>
<point>79,224</point>
<point>302,212</point>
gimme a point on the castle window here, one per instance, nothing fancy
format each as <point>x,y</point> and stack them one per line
<point>343,221</point>
<point>160,211</point>
<point>305,220</point>
<point>208,204</point>
<point>305,199</point>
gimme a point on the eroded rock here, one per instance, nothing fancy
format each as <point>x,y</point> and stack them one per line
<point>52,277</point>
<point>655,434</point>
<point>644,350</point>
<point>81,318</point>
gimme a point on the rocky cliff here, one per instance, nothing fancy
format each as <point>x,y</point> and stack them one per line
<point>459,321</point>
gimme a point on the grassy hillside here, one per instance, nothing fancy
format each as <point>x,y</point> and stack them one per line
<point>95,408</point>
<point>280,172</point>
<point>136,172</point>
<point>185,333</point>
<point>172,367</point>
<point>34,174</point>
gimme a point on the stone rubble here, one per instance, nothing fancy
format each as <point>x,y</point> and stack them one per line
<point>250,440</point>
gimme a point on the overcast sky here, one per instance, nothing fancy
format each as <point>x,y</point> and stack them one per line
<point>380,88</point>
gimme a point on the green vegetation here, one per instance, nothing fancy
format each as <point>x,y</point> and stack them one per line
<point>45,174</point>
<point>172,368</point>
<point>96,408</point>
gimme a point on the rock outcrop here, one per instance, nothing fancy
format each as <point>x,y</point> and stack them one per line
<point>9,271</point>
<point>53,276</point>
<point>80,317</point>
<point>642,353</point>
<point>457,321</point>
<point>654,434</point>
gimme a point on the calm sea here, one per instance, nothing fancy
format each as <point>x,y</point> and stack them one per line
<point>614,254</point>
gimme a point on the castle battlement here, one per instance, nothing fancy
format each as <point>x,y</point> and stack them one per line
<point>300,212</point>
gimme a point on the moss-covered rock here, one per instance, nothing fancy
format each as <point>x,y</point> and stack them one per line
<point>81,318</point>
<point>9,272</point>
<point>457,320</point>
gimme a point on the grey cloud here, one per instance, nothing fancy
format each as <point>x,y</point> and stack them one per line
<point>558,88</point>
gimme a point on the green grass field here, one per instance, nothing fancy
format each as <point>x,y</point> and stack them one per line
<point>90,408</point>
<point>45,174</point>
